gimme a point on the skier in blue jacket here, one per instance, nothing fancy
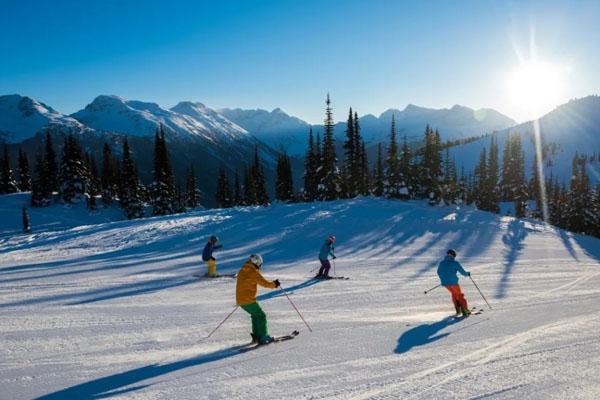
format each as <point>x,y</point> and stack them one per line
<point>447,271</point>
<point>207,255</point>
<point>326,251</point>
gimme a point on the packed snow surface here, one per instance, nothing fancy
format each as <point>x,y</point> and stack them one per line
<point>112,310</point>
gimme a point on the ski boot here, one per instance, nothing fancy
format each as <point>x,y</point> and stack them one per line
<point>255,338</point>
<point>265,339</point>
<point>466,312</point>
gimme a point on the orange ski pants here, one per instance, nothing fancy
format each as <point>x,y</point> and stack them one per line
<point>458,298</point>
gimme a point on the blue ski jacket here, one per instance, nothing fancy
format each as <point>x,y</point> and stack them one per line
<point>447,271</point>
<point>207,254</point>
<point>326,251</point>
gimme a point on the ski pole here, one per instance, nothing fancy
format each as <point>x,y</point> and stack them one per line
<point>480,292</point>
<point>295,308</point>
<point>429,290</point>
<point>221,323</point>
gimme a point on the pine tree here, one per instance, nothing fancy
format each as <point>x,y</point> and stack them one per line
<point>379,174</point>
<point>51,165</point>
<point>284,188</point>
<point>24,177</point>
<point>579,207</point>
<point>73,173</point>
<point>492,178</point>
<point>311,165</point>
<point>93,181</point>
<point>238,197</point>
<point>260,182</point>
<point>350,161</point>
<point>129,188</point>
<point>521,196</point>
<point>430,174</point>
<point>405,170</point>
<point>364,178</point>
<point>7,180</point>
<point>163,187</point>
<point>108,179</point>
<point>449,186</point>
<point>392,173</point>
<point>481,180</point>
<point>330,179</point>
<point>223,195</point>
<point>192,194</point>
<point>40,189</point>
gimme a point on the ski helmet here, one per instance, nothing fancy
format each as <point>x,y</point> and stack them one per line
<point>256,259</point>
<point>451,252</point>
<point>331,239</point>
<point>214,239</point>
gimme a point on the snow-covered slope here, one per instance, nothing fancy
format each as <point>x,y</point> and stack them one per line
<point>22,117</point>
<point>571,128</point>
<point>187,121</point>
<point>112,310</point>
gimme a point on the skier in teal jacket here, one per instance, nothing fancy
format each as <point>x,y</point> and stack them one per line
<point>447,271</point>
<point>326,251</point>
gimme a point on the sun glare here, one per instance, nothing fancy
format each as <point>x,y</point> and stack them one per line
<point>536,86</point>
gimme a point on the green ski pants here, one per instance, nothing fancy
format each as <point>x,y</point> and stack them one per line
<point>259,319</point>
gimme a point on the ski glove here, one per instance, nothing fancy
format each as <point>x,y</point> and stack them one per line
<point>469,273</point>
<point>334,257</point>
<point>276,282</point>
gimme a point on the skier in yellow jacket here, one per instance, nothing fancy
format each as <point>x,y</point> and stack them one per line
<point>248,280</point>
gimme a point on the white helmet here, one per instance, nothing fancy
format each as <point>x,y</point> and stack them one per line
<point>256,259</point>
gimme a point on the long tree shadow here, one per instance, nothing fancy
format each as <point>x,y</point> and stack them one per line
<point>280,293</point>
<point>117,384</point>
<point>513,238</point>
<point>423,334</point>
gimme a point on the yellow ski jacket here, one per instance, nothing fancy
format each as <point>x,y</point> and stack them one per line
<point>247,280</point>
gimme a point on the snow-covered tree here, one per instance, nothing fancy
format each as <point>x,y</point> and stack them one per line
<point>163,186</point>
<point>24,176</point>
<point>129,188</point>
<point>73,172</point>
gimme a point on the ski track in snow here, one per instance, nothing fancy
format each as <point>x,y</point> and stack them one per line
<point>112,309</point>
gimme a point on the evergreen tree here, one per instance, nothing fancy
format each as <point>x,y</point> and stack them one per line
<point>73,173</point>
<point>350,174</point>
<point>93,181</point>
<point>41,194</point>
<point>579,207</point>
<point>163,186</point>
<point>449,186</point>
<point>481,180</point>
<point>238,197</point>
<point>330,179</point>
<point>364,178</point>
<point>284,188</point>
<point>52,178</point>
<point>223,195</point>
<point>379,174</point>
<point>260,183</point>
<point>24,177</point>
<point>108,178</point>
<point>492,178</point>
<point>129,188</point>
<point>405,170</point>
<point>7,180</point>
<point>430,174</point>
<point>392,170</point>
<point>311,165</point>
<point>192,194</point>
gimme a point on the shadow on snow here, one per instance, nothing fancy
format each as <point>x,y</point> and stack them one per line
<point>423,334</point>
<point>112,385</point>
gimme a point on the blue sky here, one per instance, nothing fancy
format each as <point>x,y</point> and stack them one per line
<point>371,55</point>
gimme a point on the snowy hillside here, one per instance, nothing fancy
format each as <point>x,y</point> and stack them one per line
<point>112,310</point>
<point>186,121</point>
<point>570,128</point>
<point>22,117</point>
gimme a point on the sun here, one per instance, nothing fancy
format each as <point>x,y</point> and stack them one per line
<point>536,86</point>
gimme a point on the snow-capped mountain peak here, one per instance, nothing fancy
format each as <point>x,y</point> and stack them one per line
<point>22,117</point>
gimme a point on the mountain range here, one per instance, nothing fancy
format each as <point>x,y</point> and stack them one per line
<point>207,138</point>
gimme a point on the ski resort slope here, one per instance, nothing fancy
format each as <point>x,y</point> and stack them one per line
<point>112,310</point>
